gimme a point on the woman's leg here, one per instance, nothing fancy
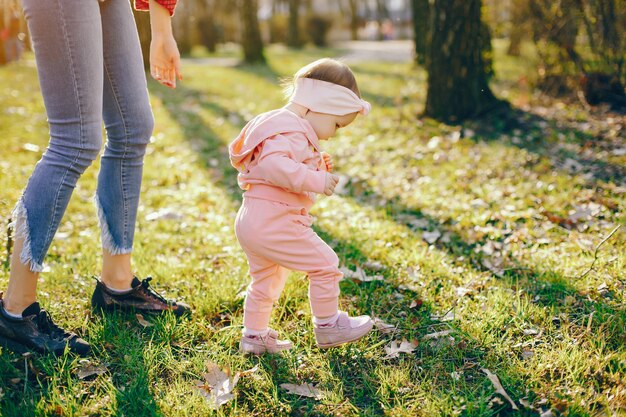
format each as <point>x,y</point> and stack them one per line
<point>67,40</point>
<point>129,122</point>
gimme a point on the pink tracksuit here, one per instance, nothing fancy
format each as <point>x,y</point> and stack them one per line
<point>281,169</point>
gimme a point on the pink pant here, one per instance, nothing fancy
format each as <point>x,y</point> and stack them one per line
<point>277,238</point>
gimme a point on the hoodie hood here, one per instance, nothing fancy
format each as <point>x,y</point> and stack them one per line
<point>265,126</point>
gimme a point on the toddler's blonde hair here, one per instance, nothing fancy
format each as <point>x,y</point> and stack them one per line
<point>325,69</point>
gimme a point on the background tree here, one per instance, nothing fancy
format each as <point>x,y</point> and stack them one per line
<point>251,35</point>
<point>142,19</point>
<point>382,14</point>
<point>457,80</point>
<point>206,26</point>
<point>579,48</point>
<point>353,6</point>
<point>420,11</point>
<point>294,39</point>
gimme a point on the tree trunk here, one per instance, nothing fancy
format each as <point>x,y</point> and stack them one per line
<point>381,15</point>
<point>457,83</point>
<point>354,19</point>
<point>294,39</point>
<point>251,37</point>
<point>206,25</point>
<point>142,19</point>
<point>421,18</point>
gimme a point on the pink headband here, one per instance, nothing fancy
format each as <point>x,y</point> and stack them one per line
<point>324,97</point>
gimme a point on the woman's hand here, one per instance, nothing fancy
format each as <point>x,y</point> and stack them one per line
<point>165,60</point>
<point>164,55</point>
<point>328,161</point>
<point>331,183</point>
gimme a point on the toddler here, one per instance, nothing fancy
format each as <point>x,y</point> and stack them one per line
<point>281,169</point>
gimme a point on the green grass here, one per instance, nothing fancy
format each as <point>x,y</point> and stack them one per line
<point>487,195</point>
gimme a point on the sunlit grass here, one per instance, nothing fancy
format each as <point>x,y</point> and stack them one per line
<point>555,339</point>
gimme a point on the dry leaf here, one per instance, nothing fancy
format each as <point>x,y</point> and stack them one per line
<point>431,237</point>
<point>374,266</point>
<point>383,327</point>
<point>30,147</point>
<point>498,386</point>
<point>449,316</point>
<point>218,386</point>
<point>359,275</point>
<point>527,354</point>
<point>396,347</point>
<point>143,321</point>
<point>164,214</point>
<point>437,335</point>
<point>90,370</point>
<point>303,390</point>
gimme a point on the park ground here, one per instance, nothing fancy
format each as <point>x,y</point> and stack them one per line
<point>489,248</point>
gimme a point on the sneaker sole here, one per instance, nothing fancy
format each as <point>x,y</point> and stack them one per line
<point>258,350</point>
<point>14,346</point>
<point>17,347</point>
<point>343,342</point>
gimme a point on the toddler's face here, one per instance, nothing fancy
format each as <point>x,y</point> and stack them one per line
<point>326,125</point>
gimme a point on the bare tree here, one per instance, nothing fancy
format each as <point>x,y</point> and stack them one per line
<point>421,17</point>
<point>457,79</point>
<point>251,36</point>
<point>207,29</point>
<point>294,39</point>
<point>354,19</point>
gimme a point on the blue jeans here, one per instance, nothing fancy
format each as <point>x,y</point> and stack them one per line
<point>90,70</point>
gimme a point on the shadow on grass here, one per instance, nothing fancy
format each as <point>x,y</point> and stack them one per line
<point>551,287</point>
<point>537,134</point>
<point>124,389</point>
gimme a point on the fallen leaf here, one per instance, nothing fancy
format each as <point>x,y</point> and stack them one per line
<point>556,219</point>
<point>30,147</point>
<point>303,390</point>
<point>165,214</point>
<point>383,327</point>
<point>396,347</point>
<point>218,386</point>
<point>416,304</point>
<point>494,265</point>
<point>143,321</point>
<point>359,275</point>
<point>90,370</point>
<point>449,316</point>
<point>431,237</point>
<point>374,266</point>
<point>498,386</point>
<point>437,335</point>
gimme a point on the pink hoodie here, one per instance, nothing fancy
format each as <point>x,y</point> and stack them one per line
<point>278,158</point>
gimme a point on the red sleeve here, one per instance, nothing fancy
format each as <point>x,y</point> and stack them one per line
<point>170,5</point>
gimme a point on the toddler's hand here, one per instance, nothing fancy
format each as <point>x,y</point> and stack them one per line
<point>328,161</point>
<point>331,183</point>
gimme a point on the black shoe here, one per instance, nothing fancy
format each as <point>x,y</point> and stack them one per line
<point>36,331</point>
<point>140,298</point>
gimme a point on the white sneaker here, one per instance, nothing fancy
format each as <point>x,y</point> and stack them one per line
<point>258,345</point>
<point>346,329</point>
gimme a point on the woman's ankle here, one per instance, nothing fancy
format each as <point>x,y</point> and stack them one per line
<point>116,282</point>
<point>16,305</point>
